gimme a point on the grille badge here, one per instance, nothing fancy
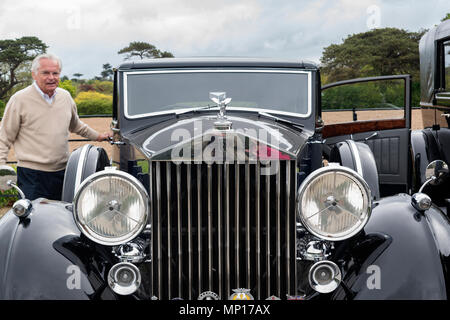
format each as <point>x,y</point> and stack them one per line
<point>241,294</point>
<point>208,295</point>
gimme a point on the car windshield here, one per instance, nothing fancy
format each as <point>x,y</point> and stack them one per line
<point>149,92</point>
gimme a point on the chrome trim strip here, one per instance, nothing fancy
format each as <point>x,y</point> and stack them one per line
<point>271,70</point>
<point>80,165</point>
<point>356,155</point>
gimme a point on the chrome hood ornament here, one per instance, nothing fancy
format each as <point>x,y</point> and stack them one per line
<point>220,98</point>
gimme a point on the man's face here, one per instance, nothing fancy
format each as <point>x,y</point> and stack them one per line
<point>47,76</point>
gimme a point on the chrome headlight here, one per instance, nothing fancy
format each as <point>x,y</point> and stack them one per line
<point>111,207</point>
<point>334,203</point>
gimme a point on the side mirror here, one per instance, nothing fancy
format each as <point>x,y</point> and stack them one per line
<point>435,171</point>
<point>8,177</point>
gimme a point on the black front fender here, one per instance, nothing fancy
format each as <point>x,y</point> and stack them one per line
<point>411,259</point>
<point>39,260</point>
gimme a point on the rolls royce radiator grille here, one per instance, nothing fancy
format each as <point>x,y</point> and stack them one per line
<point>221,227</point>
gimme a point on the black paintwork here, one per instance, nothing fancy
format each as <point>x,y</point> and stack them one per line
<point>38,255</point>
<point>411,250</point>
<point>154,140</point>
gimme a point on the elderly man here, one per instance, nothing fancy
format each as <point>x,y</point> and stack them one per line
<point>37,122</point>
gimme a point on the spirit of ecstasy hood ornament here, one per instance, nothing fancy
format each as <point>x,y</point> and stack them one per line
<point>220,98</point>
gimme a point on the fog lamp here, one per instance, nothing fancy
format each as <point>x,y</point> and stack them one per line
<point>124,278</point>
<point>324,276</point>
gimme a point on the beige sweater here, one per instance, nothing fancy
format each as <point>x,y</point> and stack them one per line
<point>40,131</point>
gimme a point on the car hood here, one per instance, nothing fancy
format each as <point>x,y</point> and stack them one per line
<point>197,139</point>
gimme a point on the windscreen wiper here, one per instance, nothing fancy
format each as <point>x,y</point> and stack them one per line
<point>172,115</point>
<point>194,110</point>
<point>281,120</point>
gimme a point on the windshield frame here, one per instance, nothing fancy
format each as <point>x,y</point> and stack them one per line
<point>230,108</point>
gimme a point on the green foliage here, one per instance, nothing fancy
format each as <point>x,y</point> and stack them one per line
<point>91,102</point>
<point>387,51</point>
<point>107,72</point>
<point>68,85</point>
<point>143,50</point>
<point>105,87</point>
<point>15,56</point>
<point>6,200</point>
<point>377,52</point>
<point>447,16</point>
<point>385,94</point>
<point>2,108</point>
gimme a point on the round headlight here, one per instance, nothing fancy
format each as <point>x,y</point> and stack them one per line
<point>111,207</point>
<point>334,203</point>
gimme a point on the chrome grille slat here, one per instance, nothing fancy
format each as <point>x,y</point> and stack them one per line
<point>227,227</point>
<point>236,232</point>
<point>152,201</point>
<point>180,252</point>
<point>288,196</point>
<point>158,212</point>
<point>189,210</point>
<point>169,232</point>
<point>231,225</point>
<point>219,224</point>
<point>268,235</point>
<point>199,221</point>
<point>247,221</point>
<point>258,227</point>
<point>210,250</point>
<point>278,226</point>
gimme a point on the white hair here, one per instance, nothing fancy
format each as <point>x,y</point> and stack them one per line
<point>36,64</point>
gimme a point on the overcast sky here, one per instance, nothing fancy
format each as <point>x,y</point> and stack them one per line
<point>88,33</point>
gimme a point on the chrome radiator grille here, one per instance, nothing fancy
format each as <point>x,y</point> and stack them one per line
<point>221,227</point>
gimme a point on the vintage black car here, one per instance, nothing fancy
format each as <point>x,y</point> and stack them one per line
<point>229,181</point>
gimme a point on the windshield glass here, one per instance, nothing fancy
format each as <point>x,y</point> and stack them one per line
<point>164,91</point>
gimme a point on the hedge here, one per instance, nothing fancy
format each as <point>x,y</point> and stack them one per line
<point>92,102</point>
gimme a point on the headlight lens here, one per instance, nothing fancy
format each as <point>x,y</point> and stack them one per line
<point>334,203</point>
<point>111,207</point>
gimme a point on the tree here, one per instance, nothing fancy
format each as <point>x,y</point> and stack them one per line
<point>15,57</point>
<point>107,72</point>
<point>143,50</point>
<point>77,76</point>
<point>377,52</point>
<point>447,17</point>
